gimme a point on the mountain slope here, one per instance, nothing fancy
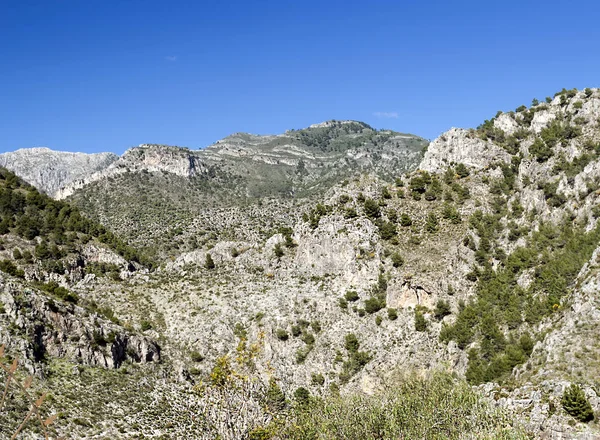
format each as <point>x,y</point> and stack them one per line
<point>50,170</point>
<point>177,185</point>
<point>482,261</point>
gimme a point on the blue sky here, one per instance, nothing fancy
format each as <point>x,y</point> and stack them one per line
<point>95,75</point>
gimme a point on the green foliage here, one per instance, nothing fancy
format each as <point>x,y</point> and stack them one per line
<point>296,331</point>
<point>450,212</point>
<point>556,254</point>
<point>302,396</point>
<point>392,314</point>
<point>351,343</point>
<point>374,304</point>
<point>431,224</point>
<point>420,321</point>
<point>437,407</point>
<point>308,338</point>
<point>397,260</point>
<point>277,250</point>
<point>317,379</point>
<point>576,404</point>
<point>275,398</point>
<point>281,334</point>
<point>7,266</point>
<point>387,230</point>
<point>540,150</point>
<point>442,309</point>
<point>209,263</point>
<point>405,220</point>
<point>351,295</point>
<point>145,325</point>
<point>372,209</point>
<point>196,356</point>
<point>58,291</point>
<point>462,170</point>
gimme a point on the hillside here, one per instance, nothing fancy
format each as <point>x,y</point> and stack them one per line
<point>178,186</point>
<point>479,263</point>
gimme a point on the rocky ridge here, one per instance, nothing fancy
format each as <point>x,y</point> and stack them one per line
<point>50,170</point>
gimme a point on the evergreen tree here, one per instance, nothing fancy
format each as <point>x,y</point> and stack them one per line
<point>576,404</point>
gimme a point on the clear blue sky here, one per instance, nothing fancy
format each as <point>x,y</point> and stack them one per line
<point>95,75</point>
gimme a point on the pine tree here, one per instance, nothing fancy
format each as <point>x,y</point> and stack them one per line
<point>576,404</point>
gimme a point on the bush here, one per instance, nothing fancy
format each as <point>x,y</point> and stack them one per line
<point>317,379</point>
<point>374,304</point>
<point>405,220</point>
<point>442,308</point>
<point>145,325</point>
<point>392,314</point>
<point>281,334</point>
<point>420,321</point>
<point>372,209</point>
<point>351,343</point>
<point>436,407</point>
<point>576,404</point>
<point>431,224</point>
<point>351,296</point>
<point>296,331</point>
<point>278,251</point>
<point>7,266</point>
<point>209,263</point>
<point>195,356</point>
<point>397,259</point>
<point>462,170</point>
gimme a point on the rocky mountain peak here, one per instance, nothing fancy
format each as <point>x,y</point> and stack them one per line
<point>50,170</point>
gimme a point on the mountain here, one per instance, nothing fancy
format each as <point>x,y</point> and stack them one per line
<point>466,282</point>
<point>50,170</point>
<point>177,185</point>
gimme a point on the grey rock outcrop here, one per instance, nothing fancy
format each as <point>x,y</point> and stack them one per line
<point>50,170</point>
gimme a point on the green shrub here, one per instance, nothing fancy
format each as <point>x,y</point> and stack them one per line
<point>196,356</point>
<point>281,334</point>
<point>351,295</point>
<point>462,170</point>
<point>437,407</point>
<point>420,321</point>
<point>145,325</point>
<point>431,224</point>
<point>351,343</point>
<point>296,331</point>
<point>308,338</point>
<point>302,396</point>
<point>442,309</point>
<point>405,220</point>
<point>374,304</point>
<point>372,209</point>
<point>209,263</point>
<point>576,404</point>
<point>317,379</point>
<point>7,266</point>
<point>397,260</point>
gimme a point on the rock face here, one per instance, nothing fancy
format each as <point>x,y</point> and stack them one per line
<point>50,170</point>
<point>144,158</point>
<point>460,146</point>
<point>61,330</point>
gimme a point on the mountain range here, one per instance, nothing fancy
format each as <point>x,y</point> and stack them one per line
<point>323,261</point>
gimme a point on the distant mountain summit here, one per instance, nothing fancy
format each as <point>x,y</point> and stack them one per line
<point>50,170</point>
<point>313,157</point>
